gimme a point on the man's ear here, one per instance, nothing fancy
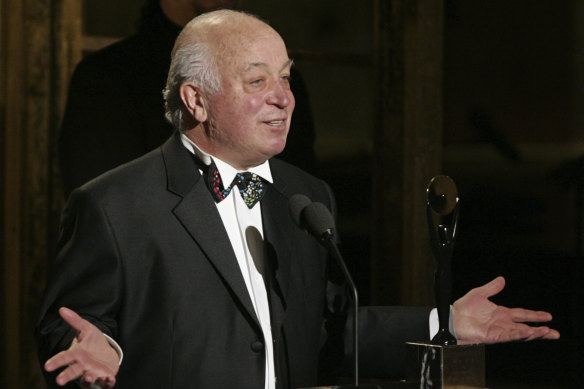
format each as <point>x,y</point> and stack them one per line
<point>194,101</point>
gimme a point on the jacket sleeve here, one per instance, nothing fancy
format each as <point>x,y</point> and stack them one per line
<point>86,276</point>
<point>383,333</point>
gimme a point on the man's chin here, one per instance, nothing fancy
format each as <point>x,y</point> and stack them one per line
<point>277,150</point>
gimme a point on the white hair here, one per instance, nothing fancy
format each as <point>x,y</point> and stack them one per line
<point>190,63</point>
<point>193,61</point>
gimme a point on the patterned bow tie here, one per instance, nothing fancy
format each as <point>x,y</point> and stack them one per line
<point>251,186</point>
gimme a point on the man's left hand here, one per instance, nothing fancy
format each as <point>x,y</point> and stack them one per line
<point>479,320</point>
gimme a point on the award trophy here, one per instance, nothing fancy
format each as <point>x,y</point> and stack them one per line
<point>442,363</point>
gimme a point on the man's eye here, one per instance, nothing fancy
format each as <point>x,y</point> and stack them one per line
<point>257,82</point>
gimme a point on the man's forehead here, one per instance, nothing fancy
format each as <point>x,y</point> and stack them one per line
<point>263,65</point>
<point>246,54</point>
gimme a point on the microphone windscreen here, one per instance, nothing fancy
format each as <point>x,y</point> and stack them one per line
<point>296,205</point>
<point>317,219</point>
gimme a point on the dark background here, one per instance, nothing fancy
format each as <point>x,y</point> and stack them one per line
<point>512,141</point>
<point>513,136</point>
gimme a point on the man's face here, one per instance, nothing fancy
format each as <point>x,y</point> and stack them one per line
<point>249,120</point>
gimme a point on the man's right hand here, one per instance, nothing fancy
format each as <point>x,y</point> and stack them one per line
<point>90,357</point>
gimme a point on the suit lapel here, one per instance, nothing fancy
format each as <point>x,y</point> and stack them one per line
<point>277,232</point>
<point>198,214</point>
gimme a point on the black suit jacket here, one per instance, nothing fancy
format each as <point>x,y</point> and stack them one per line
<point>145,256</point>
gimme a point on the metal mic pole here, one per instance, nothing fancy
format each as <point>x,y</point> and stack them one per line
<point>328,238</point>
<point>318,221</point>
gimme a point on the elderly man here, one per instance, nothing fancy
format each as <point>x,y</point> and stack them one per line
<point>171,261</point>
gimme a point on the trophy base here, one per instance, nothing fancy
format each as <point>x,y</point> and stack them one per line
<point>433,366</point>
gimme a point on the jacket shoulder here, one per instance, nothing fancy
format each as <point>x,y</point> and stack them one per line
<point>144,173</point>
<point>291,180</point>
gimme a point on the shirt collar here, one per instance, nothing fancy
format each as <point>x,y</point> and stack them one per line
<point>226,171</point>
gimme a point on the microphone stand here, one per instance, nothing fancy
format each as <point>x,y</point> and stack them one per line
<point>327,239</point>
<point>316,219</point>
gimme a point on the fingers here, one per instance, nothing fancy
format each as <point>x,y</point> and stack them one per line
<point>74,320</point>
<point>100,383</point>
<point>546,333</point>
<point>527,315</point>
<point>79,364</point>
<point>516,334</point>
<point>552,335</point>
<point>523,333</point>
<point>71,373</point>
<point>539,333</point>
<point>493,287</point>
<point>59,360</point>
<point>89,358</point>
<point>106,383</point>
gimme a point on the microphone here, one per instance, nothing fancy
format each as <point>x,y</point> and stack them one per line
<point>296,205</point>
<point>316,219</point>
<point>313,217</point>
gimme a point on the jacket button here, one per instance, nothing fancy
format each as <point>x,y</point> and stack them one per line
<point>257,346</point>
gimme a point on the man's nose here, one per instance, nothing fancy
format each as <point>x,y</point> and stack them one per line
<point>280,95</point>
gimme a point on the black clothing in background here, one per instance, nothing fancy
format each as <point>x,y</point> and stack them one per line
<point>115,109</point>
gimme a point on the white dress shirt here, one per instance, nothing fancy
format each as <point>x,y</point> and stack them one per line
<point>245,231</point>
